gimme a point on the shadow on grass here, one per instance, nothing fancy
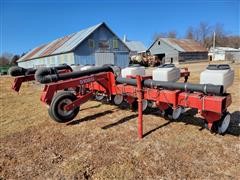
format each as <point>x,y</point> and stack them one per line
<point>187,117</point>
<point>90,117</point>
<point>92,107</point>
<point>151,131</point>
<point>121,121</point>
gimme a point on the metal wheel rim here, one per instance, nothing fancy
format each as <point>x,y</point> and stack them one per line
<point>176,113</point>
<point>61,105</point>
<point>99,97</point>
<point>118,99</point>
<point>150,104</point>
<point>144,104</point>
<point>225,123</point>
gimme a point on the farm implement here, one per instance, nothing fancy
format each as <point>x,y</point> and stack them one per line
<point>65,91</point>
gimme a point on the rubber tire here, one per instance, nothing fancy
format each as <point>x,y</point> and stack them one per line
<point>219,123</point>
<point>53,111</point>
<point>168,111</point>
<point>119,103</point>
<point>50,113</point>
<point>135,106</point>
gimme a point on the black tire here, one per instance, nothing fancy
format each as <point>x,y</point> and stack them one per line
<point>55,110</point>
<point>135,106</point>
<point>217,125</point>
<point>168,111</point>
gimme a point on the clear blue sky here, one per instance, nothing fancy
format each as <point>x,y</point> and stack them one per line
<point>26,24</point>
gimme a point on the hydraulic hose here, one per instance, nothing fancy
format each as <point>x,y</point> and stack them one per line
<point>19,71</point>
<point>47,75</point>
<point>204,88</point>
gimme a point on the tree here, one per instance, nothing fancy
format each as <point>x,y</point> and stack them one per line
<point>5,58</point>
<point>204,32</point>
<point>8,59</point>
<point>14,59</point>
<point>172,34</point>
<point>169,34</point>
<point>3,61</point>
<point>190,33</point>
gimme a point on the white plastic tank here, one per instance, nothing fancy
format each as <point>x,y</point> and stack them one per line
<point>220,74</point>
<point>133,71</point>
<point>86,67</point>
<point>166,72</point>
<point>75,67</point>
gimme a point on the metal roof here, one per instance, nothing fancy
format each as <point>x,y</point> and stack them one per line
<point>224,49</point>
<point>183,45</point>
<point>136,46</point>
<point>61,45</point>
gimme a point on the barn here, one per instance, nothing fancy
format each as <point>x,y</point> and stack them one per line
<point>171,50</point>
<point>96,45</point>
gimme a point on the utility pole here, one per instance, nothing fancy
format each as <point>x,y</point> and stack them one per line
<point>214,38</point>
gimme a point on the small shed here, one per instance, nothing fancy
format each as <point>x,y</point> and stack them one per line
<point>171,50</point>
<point>224,54</point>
<point>136,47</point>
<point>96,45</point>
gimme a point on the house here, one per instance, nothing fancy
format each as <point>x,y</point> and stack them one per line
<point>224,53</point>
<point>171,50</point>
<point>96,45</point>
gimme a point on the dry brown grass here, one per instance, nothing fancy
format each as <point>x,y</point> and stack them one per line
<point>101,143</point>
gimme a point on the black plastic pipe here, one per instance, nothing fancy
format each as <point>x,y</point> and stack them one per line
<point>204,88</point>
<point>19,71</point>
<point>47,75</point>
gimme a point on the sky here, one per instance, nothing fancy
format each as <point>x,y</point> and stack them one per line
<point>26,24</point>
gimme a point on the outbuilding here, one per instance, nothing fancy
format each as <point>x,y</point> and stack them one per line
<point>224,54</point>
<point>171,50</point>
<point>96,45</point>
<point>136,47</point>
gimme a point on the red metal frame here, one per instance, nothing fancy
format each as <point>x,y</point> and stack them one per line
<point>18,80</point>
<point>96,82</point>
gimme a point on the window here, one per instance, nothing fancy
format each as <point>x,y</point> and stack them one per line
<point>159,43</point>
<point>70,59</point>
<point>91,43</point>
<point>115,43</point>
<point>52,60</point>
<point>61,57</point>
<point>48,60</point>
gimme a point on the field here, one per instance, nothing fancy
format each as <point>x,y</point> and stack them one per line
<point>102,143</point>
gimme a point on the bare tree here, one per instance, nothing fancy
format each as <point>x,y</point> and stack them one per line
<point>14,59</point>
<point>3,61</point>
<point>5,58</point>
<point>172,34</point>
<point>204,31</point>
<point>169,34</point>
<point>190,33</point>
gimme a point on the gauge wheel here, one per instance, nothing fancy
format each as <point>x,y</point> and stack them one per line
<point>223,123</point>
<point>56,110</point>
<point>99,97</point>
<point>168,112</point>
<point>144,105</point>
<point>118,99</point>
<point>177,113</point>
<point>150,104</point>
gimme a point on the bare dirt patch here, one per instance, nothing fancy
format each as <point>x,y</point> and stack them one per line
<point>101,143</point>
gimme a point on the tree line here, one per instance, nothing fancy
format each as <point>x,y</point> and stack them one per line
<point>203,33</point>
<point>9,59</point>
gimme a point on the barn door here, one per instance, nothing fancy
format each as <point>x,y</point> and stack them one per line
<point>104,58</point>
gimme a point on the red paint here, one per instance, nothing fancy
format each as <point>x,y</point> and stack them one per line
<point>210,107</point>
<point>140,116</point>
